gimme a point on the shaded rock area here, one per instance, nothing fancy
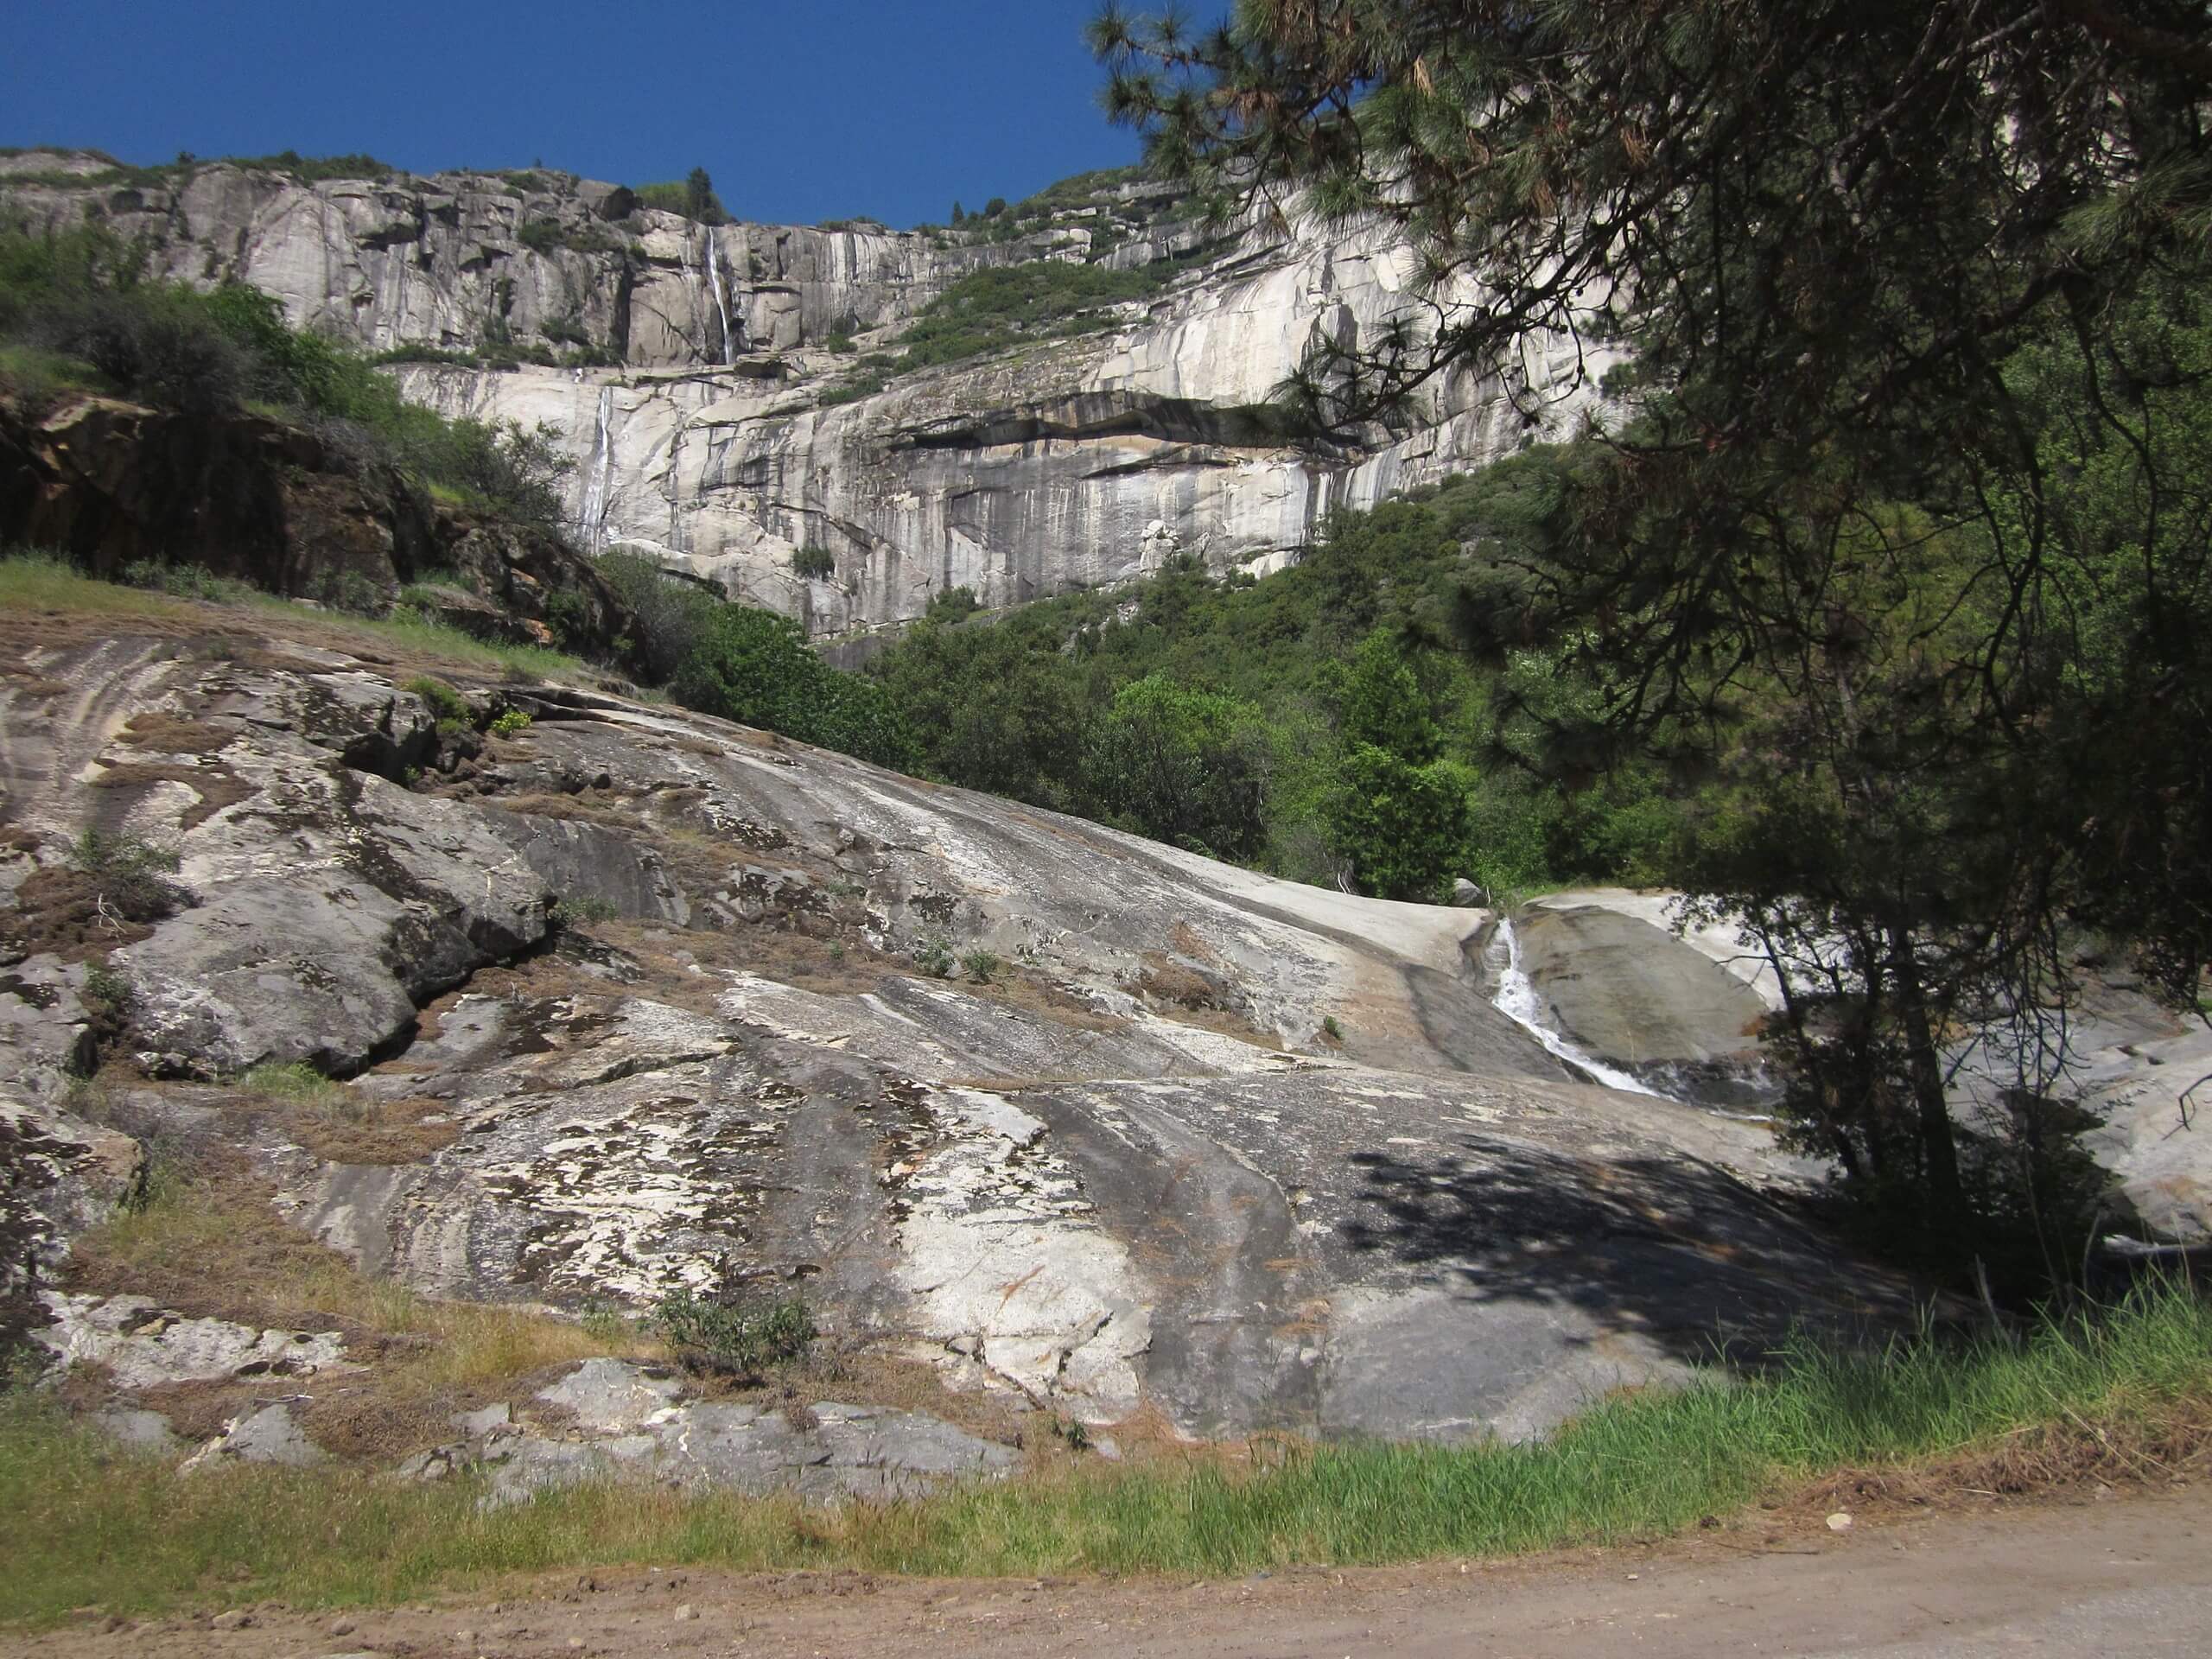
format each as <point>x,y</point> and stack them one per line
<point>1125,1175</point>
<point>111,484</point>
<point>1627,982</point>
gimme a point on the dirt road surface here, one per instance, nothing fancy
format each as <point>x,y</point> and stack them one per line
<point>2117,1579</point>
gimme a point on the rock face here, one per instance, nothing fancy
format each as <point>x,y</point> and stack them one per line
<point>1118,1166</point>
<point>111,484</point>
<point>694,383</point>
<point>1618,979</point>
<point>627,1419</point>
<point>144,1346</point>
<point>1636,996</point>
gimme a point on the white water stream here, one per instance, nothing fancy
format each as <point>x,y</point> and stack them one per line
<point>714,286</point>
<point>1517,1000</point>
<point>599,473</point>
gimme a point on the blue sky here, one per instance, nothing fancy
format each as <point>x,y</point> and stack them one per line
<point>803,111</point>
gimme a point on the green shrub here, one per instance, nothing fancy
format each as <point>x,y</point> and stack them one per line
<point>952,605</point>
<point>815,564</point>
<point>448,706</point>
<point>130,872</point>
<point>108,991</point>
<point>84,296</point>
<point>755,667</point>
<point>852,389</point>
<point>294,1081</point>
<point>314,170</point>
<point>671,612</point>
<point>732,1338</point>
<point>1000,306</point>
<point>981,965</point>
<point>540,235</point>
<point>581,909</point>
<point>693,197</point>
<point>933,956</point>
<point>354,592</point>
<point>508,722</point>
<point>186,581</point>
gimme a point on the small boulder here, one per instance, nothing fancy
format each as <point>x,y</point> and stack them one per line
<point>269,1435</point>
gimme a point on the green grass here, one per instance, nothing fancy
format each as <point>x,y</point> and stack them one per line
<point>31,580</point>
<point>296,1082</point>
<point>82,1523</point>
<point>36,374</point>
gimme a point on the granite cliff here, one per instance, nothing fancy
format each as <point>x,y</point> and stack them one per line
<point>703,377</point>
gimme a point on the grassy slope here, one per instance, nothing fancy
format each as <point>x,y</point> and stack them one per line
<point>81,1523</point>
<point>33,583</point>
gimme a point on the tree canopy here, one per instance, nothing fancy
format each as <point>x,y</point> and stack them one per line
<point>1894,526</point>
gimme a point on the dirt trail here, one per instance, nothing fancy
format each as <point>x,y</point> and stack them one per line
<point>2120,1579</point>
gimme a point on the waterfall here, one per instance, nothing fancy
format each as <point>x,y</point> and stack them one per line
<point>715,284</point>
<point>599,473</point>
<point>1517,1000</point>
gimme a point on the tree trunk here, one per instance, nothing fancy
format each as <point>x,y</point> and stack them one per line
<point>1946,1198</point>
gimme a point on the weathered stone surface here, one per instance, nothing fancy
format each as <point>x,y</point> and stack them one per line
<point>609,1396</point>
<point>1081,464</point>
<point>1636,996</point>
<point>588,861</point>
<point>270,1434</point>
<point>143,1345</point>
<point>320,951</point>
<point>46,1033</point>
<point>1129,1175</point>
<point>58,1176</point>
<point>636,1426</point>
<point>140,1430</point>
<point>1071,462</point>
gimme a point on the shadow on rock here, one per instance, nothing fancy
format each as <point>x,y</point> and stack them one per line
<point>1673,1251</point>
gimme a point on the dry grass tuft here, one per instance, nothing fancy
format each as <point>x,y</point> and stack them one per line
<point>209,1244</point>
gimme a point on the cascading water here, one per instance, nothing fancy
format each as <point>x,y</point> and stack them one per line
<point>1516,998</point>
<point>715,287</point>
<point>598,475</point>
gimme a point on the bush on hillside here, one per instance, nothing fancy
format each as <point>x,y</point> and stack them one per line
<point>756,667</point>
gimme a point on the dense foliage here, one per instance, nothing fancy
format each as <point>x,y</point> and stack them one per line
<point>1329,723</point>
<point>1897,532</point>
<point>692,196</point>
<point>754,666</point>
<point>81,307</point>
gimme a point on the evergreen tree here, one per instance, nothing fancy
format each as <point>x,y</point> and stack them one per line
<point>700,201</point>
<point>1830,550</point>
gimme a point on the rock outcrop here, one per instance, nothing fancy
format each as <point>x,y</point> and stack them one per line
<point>689,369</point>
<point>630,1004</point>
<point>111,484</point>
<point>1625,982</point>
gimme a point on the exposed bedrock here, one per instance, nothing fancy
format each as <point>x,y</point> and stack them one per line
<point>1636,996</point>
<point>1622,980</point>
<point>1075,463</point>
<point>1129,1170</point>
